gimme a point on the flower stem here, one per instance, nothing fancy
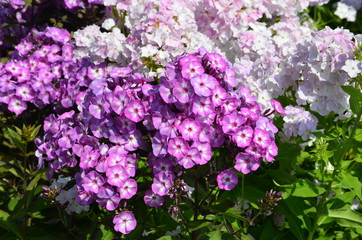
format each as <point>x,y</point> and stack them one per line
<point>335,171</point>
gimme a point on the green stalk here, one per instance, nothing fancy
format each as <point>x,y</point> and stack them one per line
<point>329,186</point>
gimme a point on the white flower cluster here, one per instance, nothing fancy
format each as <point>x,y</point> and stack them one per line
<point>97,45</point>
<point>347,9</point>
<point>298,122</point>
<point>268,57</point>
<point>67,197</point>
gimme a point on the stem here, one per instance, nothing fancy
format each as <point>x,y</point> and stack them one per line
<point>64,223</point>
<point>329,186</point>
<point>194,234</point>
<point>251,223</point>
<point>184,223</point>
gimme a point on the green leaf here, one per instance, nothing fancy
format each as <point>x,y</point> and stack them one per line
<point>353,92</point>
<point>294,223</point>
<point>301,188</point>
<point>8,224</point>
<point>215,235</point>
<point>353,183</point>
<point>28,3</point>
<point>12,204</point>
<point>355,100</point>
<point>34,182</point>
<point>268,231</point>
<point>196,225</point>
<point>34,133</point>
<point>346,218</point>
<point>107,234</point>
<point>168,238</point>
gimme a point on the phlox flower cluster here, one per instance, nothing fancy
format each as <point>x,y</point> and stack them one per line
<point>41,71</point>
<point>299,122</point>
<point>262,54</point>
<point>12,13</point>
<point>100,138</point>
<point>326,62</point>
<point>67,197</point>
<point>191,112</point>
<point>347,9</point>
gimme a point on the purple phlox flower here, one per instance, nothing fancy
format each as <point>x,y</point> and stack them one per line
<point>102,164</point>
<point>135,111</point>
<point>227,179</point>
<point>230,104</point>
<point>97,107</point>
<point>277,107</point>
<point>254,150</point>
<point>115,159</point>
<point>14,68</point>
<point>110,203</point>
<point>191,158</point>
<point>58,34</point>
<point>162,165</point>
<point>205,133</point>
<point>24,75</point>
<point>165,90</point>
<point>99,87</point>
<point>68,139</point>
<point>25,92</point>
<point>116,175</point>
<point>243,136</point>
<point>202,106</point>
<point>159,145</point>
<point>247,98</point>
<point>24,47</point>
<point>177,147</point>
<point>229,77</point>
<point>42,52</point>
<point>191,69</point>
<point>189,129</point>
<point>128,189</point>
<point>117,139</point>
<point>92,182</point>
<point>217,137</point>
<point>53,55</point>
<point>125,125</point>
<point>205,151</point>
<point>214,63</point>
<point>105,191</point>
<point>6,83</point>
<point>232,122</point>
<point>183,91</point>
<point>100,127</point>
<point>262,138</point>
<point>162,118</point>
<point>133,140</point>
<point>265,124</point>
<point>129,163</point>
<point>271,152</point>
<point>120,72</point>
<point>152,199</point>
<point>162,183</point>
<point>189,58</point>
<point>125,222</point>
<point>249,114</point>
<point>84,197</point>
<point>219,94</point>
<point>246,163</point>
<point>16,105</point>
<point>204,84</point>
<point>117,149</point>
<point>96,71</point>
<point>67,52</point>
